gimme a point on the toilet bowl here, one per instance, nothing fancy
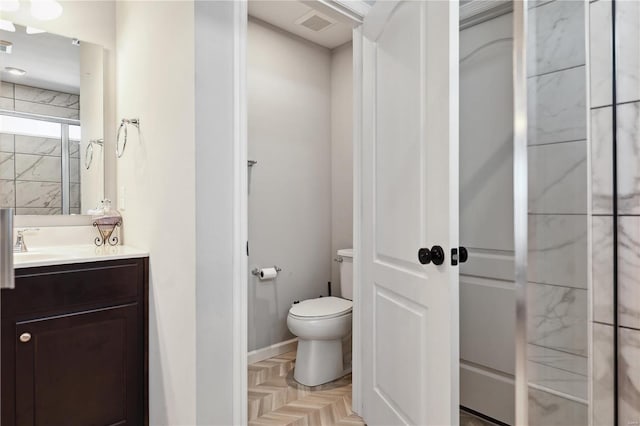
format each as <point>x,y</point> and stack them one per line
<point>320,325</point>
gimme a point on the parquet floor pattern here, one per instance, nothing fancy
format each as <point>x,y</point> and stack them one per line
<point>276,399</point>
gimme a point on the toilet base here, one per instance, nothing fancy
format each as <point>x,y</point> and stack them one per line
<point>318,361</point>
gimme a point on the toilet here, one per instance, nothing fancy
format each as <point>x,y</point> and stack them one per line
<point>320,324</point>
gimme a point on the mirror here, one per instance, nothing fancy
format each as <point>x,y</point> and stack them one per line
<point>51,122</point>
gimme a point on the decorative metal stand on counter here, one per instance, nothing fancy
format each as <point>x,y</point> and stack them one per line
<point>106,220</point>
<point>106,227</point>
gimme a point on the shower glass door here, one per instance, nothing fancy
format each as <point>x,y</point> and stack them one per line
<point>552,222</point>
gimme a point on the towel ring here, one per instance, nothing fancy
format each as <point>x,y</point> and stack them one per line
<point>88,152</point>
<point>123,124</point>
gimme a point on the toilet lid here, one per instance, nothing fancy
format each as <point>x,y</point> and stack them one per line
<point>321,307</point>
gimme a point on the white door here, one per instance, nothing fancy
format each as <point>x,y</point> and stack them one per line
<point>408,310</point>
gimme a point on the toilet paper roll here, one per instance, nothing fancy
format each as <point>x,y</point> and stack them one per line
<point>268,274</point>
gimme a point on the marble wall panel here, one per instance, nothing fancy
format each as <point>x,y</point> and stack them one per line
<point>7,168</point>
<point>6,142</point>
<point>628,53</point>
<point>553,410</point>
<point>38,145</point>
<point>602,161</point>
<point>600,54</point>
<point>38,194</point>
<point>557,318</point>
<point>558,31</point>
<point>38,168</point>
<point>558,178</point>
<point>558,250</point>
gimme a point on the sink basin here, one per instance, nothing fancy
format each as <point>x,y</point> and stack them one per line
<point>34,256</point>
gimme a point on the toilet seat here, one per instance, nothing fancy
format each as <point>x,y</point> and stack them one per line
<point>321,308</point>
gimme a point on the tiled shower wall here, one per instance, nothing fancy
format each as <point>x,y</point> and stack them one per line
<point>627,78</point>
<point>558,222</point>
<point>31,167</point>
<point>17,97</point>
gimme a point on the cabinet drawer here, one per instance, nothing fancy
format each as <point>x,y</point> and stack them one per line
<point>53,289</point>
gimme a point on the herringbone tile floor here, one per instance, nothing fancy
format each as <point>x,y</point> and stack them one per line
<point>276,399</point>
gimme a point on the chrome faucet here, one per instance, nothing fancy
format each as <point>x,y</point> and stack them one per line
<point>20,246</point>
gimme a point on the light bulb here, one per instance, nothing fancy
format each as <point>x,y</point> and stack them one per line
<point>9,5</point>
<point>45,10</point>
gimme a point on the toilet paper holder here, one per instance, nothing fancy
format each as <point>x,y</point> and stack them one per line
<point>256,271</point>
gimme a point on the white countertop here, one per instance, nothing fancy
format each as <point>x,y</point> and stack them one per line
<point>65,255</point>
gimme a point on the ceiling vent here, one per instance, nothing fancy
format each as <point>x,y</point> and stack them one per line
<point>315,21</point>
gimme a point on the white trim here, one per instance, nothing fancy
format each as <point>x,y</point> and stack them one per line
<point>273,350</point>
<point>356,355</point>
<point>240,216</point>
<point>590,337</point>
<point>347,12</point>
<point>520,206</point>
<point>357,7</point>
<point>476,12</point>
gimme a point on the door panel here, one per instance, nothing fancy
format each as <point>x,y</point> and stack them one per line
<point>398,137</point>
<point>78,369</point>
<point>409,187</point>
<point>398,383</point>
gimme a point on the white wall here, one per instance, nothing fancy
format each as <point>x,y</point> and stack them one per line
<point>289,133</point>
<point>341,154</point>
<point>155,74</point>
<point>220,156</point>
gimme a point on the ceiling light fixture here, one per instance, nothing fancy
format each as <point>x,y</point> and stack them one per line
<point>31,30</point>
<point>15,71</point>
<point>9,5</point>
<point>7,26</point>
<point>46,10</point>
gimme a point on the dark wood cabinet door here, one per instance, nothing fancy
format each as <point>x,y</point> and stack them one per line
<point>80,369</point>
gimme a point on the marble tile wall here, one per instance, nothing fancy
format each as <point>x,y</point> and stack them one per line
<point>627,73</point>
<point>558,206</point>
<point>31,167</point>
<point>16,97</point>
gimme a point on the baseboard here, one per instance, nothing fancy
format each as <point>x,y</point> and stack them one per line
<point>273,350</point>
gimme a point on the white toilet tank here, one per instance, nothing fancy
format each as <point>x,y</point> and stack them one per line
<point>346,272</point>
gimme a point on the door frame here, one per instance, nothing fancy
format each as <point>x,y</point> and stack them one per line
<point>353,12</point>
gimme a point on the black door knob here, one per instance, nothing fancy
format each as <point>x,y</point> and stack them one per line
<point>464,254</point>
<point>424,256</point>
<point>435,254</point>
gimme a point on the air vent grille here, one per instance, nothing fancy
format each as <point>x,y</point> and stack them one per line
<point>315,21</point>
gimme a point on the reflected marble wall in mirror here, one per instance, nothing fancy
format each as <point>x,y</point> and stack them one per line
<point>51,122</point>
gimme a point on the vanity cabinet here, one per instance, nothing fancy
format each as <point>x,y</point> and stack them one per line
<point>74,345</point>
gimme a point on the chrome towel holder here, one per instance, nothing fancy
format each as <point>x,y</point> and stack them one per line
<point>124,124</point>
<point>88,152</point>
